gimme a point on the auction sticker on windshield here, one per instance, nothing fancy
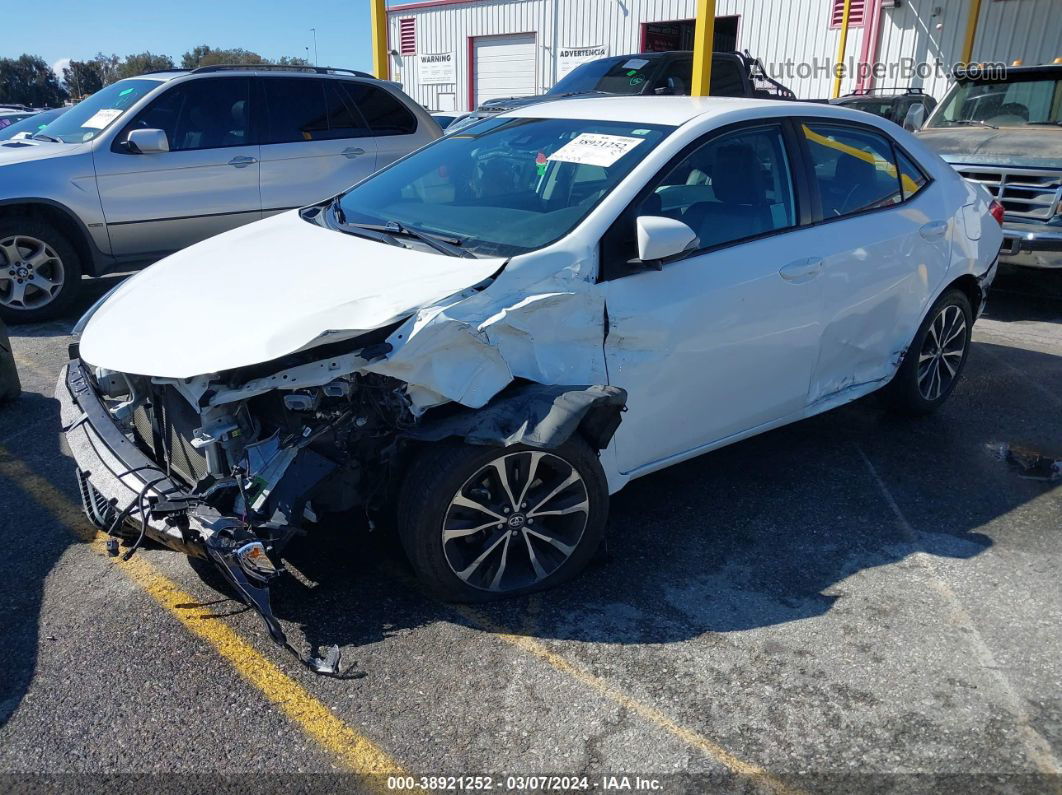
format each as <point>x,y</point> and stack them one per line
<point>102,118</point>
<point>595,149</point>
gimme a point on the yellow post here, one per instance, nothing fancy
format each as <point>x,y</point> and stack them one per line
<point>703,46</point>
<point>381,58</point>
<point>842,43</point>
<point>971,31</point>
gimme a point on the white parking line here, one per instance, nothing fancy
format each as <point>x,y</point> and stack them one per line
<point>1039,750</point>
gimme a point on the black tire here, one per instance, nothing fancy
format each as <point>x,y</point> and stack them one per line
<point>10,386</point>
<point>445,470</point>
<point>69,261</point>
<point>907,394</point>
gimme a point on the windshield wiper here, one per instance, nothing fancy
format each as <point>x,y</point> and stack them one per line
<point>444,245</point>
<point>975,123</point>
<point>42,137</point>
<point>1048,123</point>
<point>378,235</point>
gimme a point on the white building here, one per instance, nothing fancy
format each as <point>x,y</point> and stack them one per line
<point>454,54</point>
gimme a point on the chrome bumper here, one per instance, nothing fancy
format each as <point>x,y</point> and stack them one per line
<point>1032,246</point>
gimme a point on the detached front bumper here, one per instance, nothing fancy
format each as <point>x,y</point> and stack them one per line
<point>114,475</point>
<point>1032,245</point>
<point>112,472</point>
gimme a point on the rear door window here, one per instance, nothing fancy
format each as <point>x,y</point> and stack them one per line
<point>384,114</point>
<point>854,168</point>
<point>295,110</point>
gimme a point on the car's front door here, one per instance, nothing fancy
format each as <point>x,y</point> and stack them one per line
<point>886,242</point>
<point>315,144</point>
<point>724,340</point>
<point>205,184</point>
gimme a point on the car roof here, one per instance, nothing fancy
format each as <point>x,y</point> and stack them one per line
<point>673,111</point>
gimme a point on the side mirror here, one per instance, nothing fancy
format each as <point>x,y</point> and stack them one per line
<point>147,142</point>
<point>660,238</point>
<point>915,118</point>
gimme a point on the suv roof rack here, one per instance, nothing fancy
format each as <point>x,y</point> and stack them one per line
<point>321,70</point>
<point>863,92</point>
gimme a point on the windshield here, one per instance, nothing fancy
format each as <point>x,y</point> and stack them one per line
<point>1033,99</point>
<point>89,118</point>
<point>34,123</point>
<point>507,185</point>
<point>627,74</point>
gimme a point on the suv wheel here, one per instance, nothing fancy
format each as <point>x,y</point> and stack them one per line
<point>481,523</point>
<point>40,271</point>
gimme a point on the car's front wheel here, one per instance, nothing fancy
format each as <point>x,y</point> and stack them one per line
<point>39,271</point>
<point>936,358</point>
<point>480,523</point>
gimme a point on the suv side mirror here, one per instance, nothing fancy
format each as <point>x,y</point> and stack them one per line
<point>660,237</point>
<point>915,118</point>
<point>147,142</point>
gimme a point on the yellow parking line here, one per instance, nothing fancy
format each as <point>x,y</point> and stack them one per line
<point>615,694</point>
<point>354,751</point>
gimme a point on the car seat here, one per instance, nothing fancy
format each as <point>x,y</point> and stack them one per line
<point>740,208</point>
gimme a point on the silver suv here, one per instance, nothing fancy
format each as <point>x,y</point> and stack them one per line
<point>151,164</point>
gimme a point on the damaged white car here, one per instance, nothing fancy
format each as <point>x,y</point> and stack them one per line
<point>455,340</point>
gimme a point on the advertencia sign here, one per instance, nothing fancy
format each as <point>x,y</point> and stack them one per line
<point>570,57</point>
<point>436,69</point>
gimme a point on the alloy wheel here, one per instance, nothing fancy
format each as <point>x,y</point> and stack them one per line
<point>31,273</point>
<point>515,521</point>
<point>942,352</point>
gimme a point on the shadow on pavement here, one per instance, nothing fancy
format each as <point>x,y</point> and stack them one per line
<point>754,535</point>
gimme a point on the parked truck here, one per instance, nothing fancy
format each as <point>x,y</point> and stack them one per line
<point>1004,131</point>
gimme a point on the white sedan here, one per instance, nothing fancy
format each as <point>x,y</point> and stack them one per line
<point>493,334</point>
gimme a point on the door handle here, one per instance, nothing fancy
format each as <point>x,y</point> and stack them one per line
<point>934,230</point>
<point>241,160</point>
<point>352,152</point>
<point>801,270</point>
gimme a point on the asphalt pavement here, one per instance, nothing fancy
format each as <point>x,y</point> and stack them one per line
<point>857,601</point>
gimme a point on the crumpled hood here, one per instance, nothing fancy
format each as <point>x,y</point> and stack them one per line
<point>23,151</point>
<point>1026,147</point>
<point>263,291</point>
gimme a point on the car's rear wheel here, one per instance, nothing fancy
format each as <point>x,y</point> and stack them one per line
<point>40,272</point>
<point>481,523</point>
<point>936,358</point>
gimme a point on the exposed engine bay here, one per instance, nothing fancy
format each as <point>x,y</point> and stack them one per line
<point>260,464</point>
<point>243,461</point>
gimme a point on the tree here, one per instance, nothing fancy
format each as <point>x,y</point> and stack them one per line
<point>208,56</point>
<point>107,66</point>
<point>82,78</point>
<point>204,55</point>
<point>28,80</point>
<point>143,63</point>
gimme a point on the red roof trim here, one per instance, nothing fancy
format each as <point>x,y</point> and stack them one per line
<point>401,9</point>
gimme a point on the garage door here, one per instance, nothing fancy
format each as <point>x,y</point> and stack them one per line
<point>505,66</point>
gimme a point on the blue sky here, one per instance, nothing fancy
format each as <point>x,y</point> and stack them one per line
<point>79,29</point>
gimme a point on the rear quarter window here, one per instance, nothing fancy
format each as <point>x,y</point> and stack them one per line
<point>385,114</point>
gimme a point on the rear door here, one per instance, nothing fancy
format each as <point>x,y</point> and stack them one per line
<point>396,131</point>
<point>208,181</point>
<point>314,143</point>
<point>885,237</point>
